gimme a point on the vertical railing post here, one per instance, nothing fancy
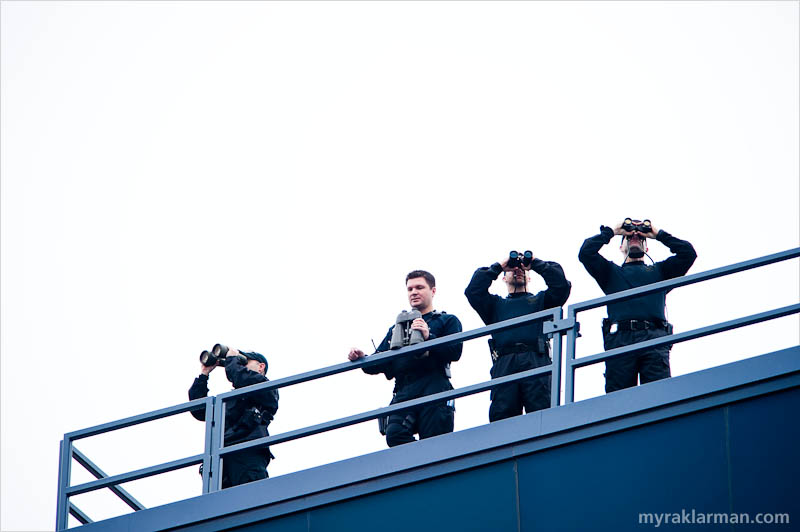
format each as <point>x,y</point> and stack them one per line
<point>555,374</point>
<point>217,441</point>
<point>569,370</point>
<point>64,480</point>
<point>207,468</point>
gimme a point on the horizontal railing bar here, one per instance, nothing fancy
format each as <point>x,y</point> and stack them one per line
<point>90,466</point>
<point>78,514</point>
<point>386,356</point>
<point>682,281</point>
<point>386,410</point>
<point>133,475</point>
<point>688,335</point>
<point>135,420</point>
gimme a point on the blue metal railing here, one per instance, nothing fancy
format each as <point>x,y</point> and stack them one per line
<point>572,311</point>
<point>553,325</point>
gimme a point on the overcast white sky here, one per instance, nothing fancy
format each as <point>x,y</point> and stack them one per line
<point>265,174</point>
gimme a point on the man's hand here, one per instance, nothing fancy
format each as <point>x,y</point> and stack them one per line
<point>206,370</point>
<point>618,230</point>
<point>355,354</point>
<point>420,325</point>
<point>653,232</point>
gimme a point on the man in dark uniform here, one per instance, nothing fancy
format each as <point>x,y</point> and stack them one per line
<point>246,416</point>
<point>422,374</point>
<point>642,318</point>
<point>521,348</point>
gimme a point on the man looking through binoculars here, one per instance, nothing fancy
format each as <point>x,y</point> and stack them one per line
<point>421,374</point>
<point>246,416</point>
<point>642,318</point>
<point>521,348</point>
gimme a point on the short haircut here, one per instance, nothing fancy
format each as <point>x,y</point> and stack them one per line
<point>425,275</point>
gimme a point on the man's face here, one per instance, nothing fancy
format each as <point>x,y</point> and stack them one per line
<point>634,245</point>
<point>255,365</point>
<point>420,295</point>
<point>516,278</point>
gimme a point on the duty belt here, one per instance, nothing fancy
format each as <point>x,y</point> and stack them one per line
<point>518,348</point>
<point>407,378</point>
<point>634,325</point>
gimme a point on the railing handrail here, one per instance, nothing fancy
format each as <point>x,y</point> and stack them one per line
<point>98,473</point>
<point>386,356</point>
<point>660,286</point>
<point>685,336</point>
<point>386,410</point>
<point>215,405</point>
<point>137,419</point>
<point>137,474</point>
<point>371,360</point>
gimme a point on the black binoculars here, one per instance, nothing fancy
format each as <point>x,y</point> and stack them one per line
<point>218,354</point>
<point>515,258</point>
<point>642,227</point>
<point>403,334</point>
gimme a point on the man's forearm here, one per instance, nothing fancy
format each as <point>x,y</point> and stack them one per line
<point>449,353</point>
<point>477,291</point>
<point>683,259</point>
<point>558,288</point>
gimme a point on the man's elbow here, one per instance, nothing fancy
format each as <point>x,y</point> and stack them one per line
<point>473,295</point>
<point>567,289</point>
<point>584,253</point>
<point>690,254</point>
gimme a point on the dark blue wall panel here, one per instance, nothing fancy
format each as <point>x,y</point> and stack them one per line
<point>739,458</point>
<point>604,483</point>
<point>482,499</point>
<point>291,523</point>
<point>765,454</point>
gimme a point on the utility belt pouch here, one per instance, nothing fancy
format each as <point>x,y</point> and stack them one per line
<point>544,346</point>
<point>410,422</point>
<point>383,421</point>
<point>252,417</point>
<point>249,420</point>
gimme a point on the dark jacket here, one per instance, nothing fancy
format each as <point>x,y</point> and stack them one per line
<point>614,278</point>
<point>410,367</point>
<point>493,308</point>
<point>246,416</point>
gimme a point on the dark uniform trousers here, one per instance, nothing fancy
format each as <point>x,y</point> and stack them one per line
<point>244,466</point>
<point>532,393</point>
<point>429,420</point>
<point>648,365</point>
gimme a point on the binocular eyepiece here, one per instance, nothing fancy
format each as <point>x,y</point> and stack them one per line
<point>515,259</point>
<point>218,354</point>
<point>642,227</point>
